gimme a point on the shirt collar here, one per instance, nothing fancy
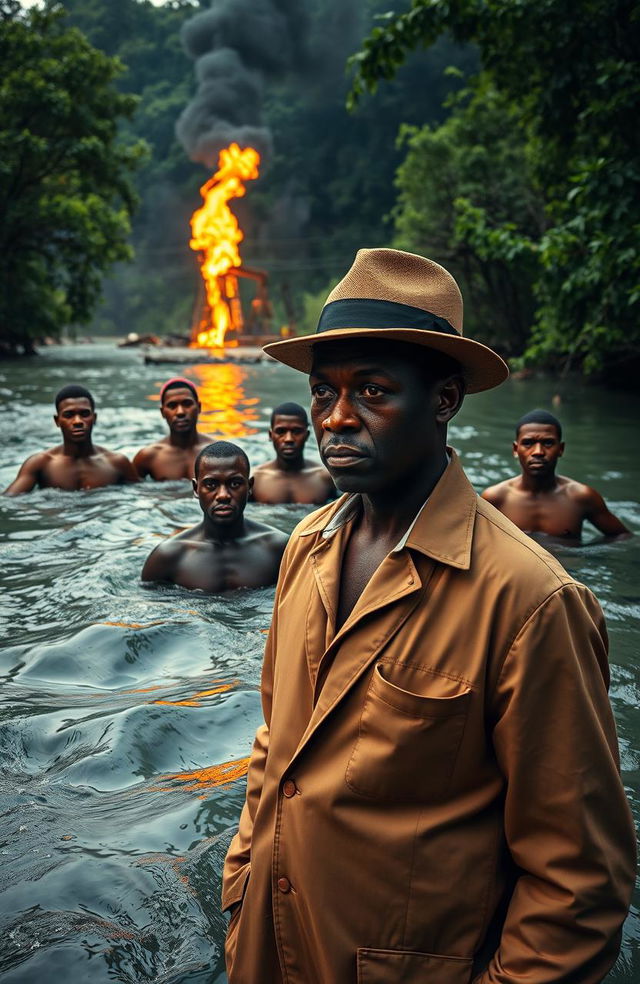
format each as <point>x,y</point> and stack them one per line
<point>442,528</point>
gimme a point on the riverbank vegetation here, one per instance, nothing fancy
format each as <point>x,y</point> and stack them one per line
<point>65,189</point>
<point>497,136</point>
<point>567,77</point>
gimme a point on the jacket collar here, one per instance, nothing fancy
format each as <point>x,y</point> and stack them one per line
<point>443,528</point>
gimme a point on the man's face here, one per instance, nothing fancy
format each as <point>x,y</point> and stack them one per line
<point>222,488</point>
<point>373,414</point>
<point>75,418</point>
<point>288,436</point>
<point>180,409</point>
<point>537,448</point>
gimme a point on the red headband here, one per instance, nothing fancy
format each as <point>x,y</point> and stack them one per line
<point>173,382</point>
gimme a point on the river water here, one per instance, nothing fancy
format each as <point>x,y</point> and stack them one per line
<point>128,713</point>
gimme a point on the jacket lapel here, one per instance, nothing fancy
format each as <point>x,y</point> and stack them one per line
<point>395,587</point>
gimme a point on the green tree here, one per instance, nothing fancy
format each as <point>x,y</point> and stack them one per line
<point>65,194</point>
<point>465,197</point>
<point>572,72</point>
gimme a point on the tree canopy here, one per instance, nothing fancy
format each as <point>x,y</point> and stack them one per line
<point>65,194</point>
<point>571,74</point>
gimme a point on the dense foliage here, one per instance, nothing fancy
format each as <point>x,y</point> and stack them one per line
<point>570,73</point>
<point>465,196</point>
<point>65,195</point>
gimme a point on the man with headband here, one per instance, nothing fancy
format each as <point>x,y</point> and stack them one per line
<point>434,795</point>
<point>173,456</point>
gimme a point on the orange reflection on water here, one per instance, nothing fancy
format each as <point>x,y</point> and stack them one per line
<point>201,780</point>
<point>195,701</point>
<point>226,411</point>
<point>132,625</point>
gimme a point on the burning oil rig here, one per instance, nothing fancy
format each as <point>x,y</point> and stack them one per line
<point>218,318</point>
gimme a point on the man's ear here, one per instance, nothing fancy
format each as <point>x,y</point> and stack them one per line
<point>250,483</point>
<point>450,397</point>
<point>561,452</point>
<point>514,447</point>
<point>56,419</point>
<point>194,483</point>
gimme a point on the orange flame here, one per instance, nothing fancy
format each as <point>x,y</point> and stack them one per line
<point>216,234</point>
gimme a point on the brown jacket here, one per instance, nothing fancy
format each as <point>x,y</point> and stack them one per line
<point>435,796</point>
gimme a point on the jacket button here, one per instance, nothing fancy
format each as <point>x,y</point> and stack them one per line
<point>289,788</point>
<point>284,885</point>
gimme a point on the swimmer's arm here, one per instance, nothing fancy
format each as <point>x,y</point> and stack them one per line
<point>598,513</point>
<point>142,461</point>
<point>127,471</point>
<point>495,495</point>
<point>278,544</point>
<point>260,475</point>
<point>28,476</point>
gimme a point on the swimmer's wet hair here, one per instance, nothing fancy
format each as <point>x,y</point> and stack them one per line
<point>290,410</point>
<point>221,449</point>
<point>178,382</point>
<point>73,392</point>
<point>539,417</point>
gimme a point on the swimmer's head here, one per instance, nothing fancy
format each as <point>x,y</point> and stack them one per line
<point>538,445</point>
<point>221,449</point>
<point>178,382</point>
<point>71,392</point>
<point>179,405</point>
<point>222,484</point>
<point>290,410</point>
<point>289,432</point>
<point>75,413</point>
<point>539,417</point>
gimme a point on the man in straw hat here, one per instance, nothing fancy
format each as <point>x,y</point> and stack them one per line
<point>434,796</point>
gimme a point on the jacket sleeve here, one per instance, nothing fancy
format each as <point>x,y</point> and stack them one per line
<point>238,859</point>
<point>568,826</point>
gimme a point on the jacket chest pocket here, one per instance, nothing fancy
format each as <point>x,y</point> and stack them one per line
<point>407,742</point>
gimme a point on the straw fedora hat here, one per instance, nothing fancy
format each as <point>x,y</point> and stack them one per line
<point>402,297</point>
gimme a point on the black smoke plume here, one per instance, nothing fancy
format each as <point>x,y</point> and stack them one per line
<point>240,45</point>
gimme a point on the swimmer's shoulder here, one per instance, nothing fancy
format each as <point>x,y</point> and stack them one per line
<point>266,468</point>
<point>120,462</point>
<point>498,494</point>
<point>161,563</point>
<point>272,538</point>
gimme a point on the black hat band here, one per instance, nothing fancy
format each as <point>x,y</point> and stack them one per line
<point>363,312</point>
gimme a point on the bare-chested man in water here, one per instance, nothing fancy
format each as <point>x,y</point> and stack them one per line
<point>289,478</point>
<point>538,500</point>
<point>77,463</point>
<point>173,456</point>
<point>225,550</point>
